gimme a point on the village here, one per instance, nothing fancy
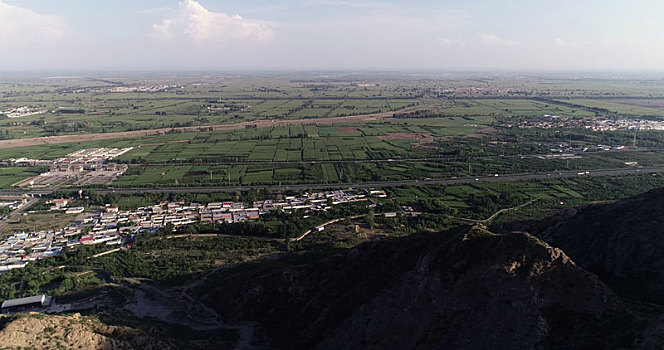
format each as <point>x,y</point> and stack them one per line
<point>23,111</point>
<point>114,227</point>
<point>548,121</point>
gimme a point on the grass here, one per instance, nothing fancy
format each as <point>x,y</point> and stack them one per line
<point>12,175</point>
<point>480,200</point>
<point>619,108</point>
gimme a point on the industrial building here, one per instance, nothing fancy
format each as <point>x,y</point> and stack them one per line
<point>28,303</point>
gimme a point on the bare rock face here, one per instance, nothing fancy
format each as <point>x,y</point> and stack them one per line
<point>465,288</point>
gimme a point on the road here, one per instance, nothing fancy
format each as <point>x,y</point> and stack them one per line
<point>370,184</point>
<point>485,222</point>
<point>104,253</point>
<point>499,212</point>
<point>300,237</point>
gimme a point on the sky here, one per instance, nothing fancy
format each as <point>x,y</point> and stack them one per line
<point>442,35</point>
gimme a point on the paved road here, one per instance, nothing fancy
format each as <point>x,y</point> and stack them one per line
<point>440,181</point>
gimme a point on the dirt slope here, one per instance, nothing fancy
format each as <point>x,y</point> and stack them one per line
<point>37,331</point>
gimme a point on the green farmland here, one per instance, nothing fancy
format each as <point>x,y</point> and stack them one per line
<point>11,175</point>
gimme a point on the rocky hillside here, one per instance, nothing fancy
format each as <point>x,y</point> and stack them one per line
<point>623,243</point>
<point>36,331</point>
<point>465,288</point>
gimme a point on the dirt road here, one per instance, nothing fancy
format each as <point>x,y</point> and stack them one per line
<point>300,237</point>
<point>36,141</point>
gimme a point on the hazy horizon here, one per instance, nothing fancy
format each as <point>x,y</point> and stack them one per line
<point>321,35</point>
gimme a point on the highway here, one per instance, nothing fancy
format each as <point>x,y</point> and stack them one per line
<point>424,182</point>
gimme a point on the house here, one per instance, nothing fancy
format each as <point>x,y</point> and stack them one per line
<point>206,216</point>
<point>213,206</point>
<point>378,193</point>
<point>60,202</point>
<point>74,210</point>
<point>14,265</point>
<point>252,214</point>
<point>173,207</point>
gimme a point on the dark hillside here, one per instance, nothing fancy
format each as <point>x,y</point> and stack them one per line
<point>623,243</point>
<point>465,288</point>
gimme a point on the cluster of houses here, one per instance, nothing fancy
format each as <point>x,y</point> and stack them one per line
<point>112,226</point>
<point>142,88</point>
<point>234,212</point>
<point>18,249</point>
<point>548,121</point>
<point>310,201</point>
<point>22,111</point>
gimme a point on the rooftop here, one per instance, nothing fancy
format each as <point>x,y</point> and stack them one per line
<point>24,301</point>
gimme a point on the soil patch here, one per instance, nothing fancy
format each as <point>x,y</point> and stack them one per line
<point>346,129</point>
<point>423,139</point>
<point>650,103</point>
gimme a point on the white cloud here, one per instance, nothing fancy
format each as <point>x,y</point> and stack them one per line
<point>452,42</point>
<point>482,40</point>
<point>561,43</point>
<point>20,26</point>
<point>193,22</point>
<point>494,40</point>
<point>163,30</point>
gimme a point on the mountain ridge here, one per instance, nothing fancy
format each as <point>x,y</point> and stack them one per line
<point>461,288</point>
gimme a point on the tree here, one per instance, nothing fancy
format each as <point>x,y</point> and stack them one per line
<point>287,230</point>
<point>167,229</point>
<point>371,220</point>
